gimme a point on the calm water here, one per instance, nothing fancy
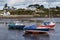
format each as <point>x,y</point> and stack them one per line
<point>6,34</point>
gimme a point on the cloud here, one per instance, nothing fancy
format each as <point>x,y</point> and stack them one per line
<point>2,2</point>
<point>38,0</point>
<point>1,7</point>
<point>13,2</point>
<point>25,3</point>
<point>53,0</point>
<point>16,2</point>
<point>54,4</point>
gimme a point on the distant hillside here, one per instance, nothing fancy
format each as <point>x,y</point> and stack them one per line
<point>36,10</point>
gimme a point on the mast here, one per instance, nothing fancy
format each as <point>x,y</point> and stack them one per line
<point>50,13</point>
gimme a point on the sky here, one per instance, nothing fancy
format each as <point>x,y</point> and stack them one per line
<point>25,3</point>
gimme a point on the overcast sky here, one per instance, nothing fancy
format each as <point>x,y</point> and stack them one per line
<point>25,3</point>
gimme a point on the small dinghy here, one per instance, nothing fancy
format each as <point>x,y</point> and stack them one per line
<point>16,26</point>
<point>50,25</point>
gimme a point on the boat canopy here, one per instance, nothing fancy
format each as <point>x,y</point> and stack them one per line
<point>30,27</point>
<point>46,23</point>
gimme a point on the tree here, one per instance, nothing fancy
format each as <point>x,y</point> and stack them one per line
<point>42,6</point>
<point>5,5</point>
<point>34,5</point>
<point>30,5</point>
<point>13,8</point>
<point>37,6</point>
<point>57,7</point>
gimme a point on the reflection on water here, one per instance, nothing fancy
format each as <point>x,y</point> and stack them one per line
<point>36,37</point>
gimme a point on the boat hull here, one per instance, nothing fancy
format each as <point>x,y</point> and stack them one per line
<point>49,26</point>
<point>38,29</point>
<point>16,26</point>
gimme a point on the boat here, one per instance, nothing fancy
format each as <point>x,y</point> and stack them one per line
<point>50,25</point>
<point>16,26</point>
<point>40,27</point>
<point>36,28</point>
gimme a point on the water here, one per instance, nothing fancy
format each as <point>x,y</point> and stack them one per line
<point>6,34</point>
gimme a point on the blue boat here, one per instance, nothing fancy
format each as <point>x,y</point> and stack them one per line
<point>34,27</point>
<point>16,26</point>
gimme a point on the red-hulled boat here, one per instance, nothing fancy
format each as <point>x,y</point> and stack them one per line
<point>49,25</point>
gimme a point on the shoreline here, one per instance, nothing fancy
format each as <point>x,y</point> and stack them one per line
<point>22,16</point>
